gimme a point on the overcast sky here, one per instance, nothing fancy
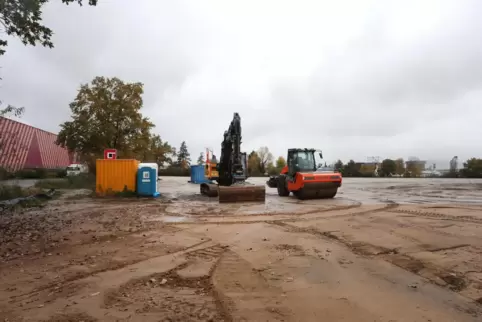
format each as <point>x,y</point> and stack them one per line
<point>353,78</point>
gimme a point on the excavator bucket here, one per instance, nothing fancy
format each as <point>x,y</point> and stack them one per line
<point>242,193</point>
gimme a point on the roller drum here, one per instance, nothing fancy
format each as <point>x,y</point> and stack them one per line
<point>307,193</point>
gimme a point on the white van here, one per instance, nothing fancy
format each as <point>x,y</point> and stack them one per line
<point>76,168</point>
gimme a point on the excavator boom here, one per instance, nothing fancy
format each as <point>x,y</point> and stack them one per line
<point>233,171</point>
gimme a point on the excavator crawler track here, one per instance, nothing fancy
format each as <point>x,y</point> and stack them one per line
<point>242,193</point>
<point>209,189</point>
<point>235,193</point>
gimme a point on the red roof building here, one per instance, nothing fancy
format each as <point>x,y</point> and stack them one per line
<point>25,147</point>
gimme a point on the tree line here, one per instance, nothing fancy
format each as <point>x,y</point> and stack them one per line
<point>107,114</point>
<point>260,162</point>
<point>472,168</point>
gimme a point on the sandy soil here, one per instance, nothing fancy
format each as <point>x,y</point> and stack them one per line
<point>382,250</point>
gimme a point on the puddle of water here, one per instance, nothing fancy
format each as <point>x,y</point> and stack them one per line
<point>172,219</point>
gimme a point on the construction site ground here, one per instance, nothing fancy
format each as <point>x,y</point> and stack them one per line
<point>382,250</point>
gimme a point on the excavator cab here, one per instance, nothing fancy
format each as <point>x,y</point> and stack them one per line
<point>302,179</point>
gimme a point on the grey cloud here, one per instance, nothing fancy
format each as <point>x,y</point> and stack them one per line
<point>354,78</point>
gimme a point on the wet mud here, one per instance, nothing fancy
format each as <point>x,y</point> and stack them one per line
<point>381,250</point>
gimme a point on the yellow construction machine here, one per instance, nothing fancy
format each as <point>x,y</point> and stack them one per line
<point>211,168</point>
<point>231,171</point>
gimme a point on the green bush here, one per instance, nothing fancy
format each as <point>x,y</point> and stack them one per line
<point>8,192</point>
<point>82,181</point>
<point>61,173</point>
<point>175,172</point>
<point>125,193</point>
<point>31,174</point>
<point>5,174</point>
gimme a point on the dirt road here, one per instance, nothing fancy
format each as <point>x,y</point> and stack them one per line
<point>382,250</point>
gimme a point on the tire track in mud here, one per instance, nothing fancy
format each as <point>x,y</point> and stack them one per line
<point>280,222</point>
<point>329,235</point>
<point>199,309</point>
<point>236,281</point>
<point>186,293</point>
<point>389,206</point>
<point>356,204</point>
<point>216,252</point>
<point>208,213</point>
<point>69,282</point>
<point>405,261</point>
<point>436,215</point>
<point>178,296</point>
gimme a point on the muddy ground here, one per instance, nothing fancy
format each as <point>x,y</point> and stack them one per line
<point>382,250</point>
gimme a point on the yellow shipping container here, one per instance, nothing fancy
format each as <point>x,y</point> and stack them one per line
<point>115,176</point>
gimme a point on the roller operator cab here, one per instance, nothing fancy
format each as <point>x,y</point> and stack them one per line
<point>301,178</point>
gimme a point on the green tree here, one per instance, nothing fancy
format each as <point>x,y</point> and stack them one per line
<point>23,19</point>
<point>271,169</point>
<point>253,164</point>
<point>200,159</point>
<point>339,166</point>
<point>280,163</point>
<point>351,169</point>
<point>106,114</point>
<point>173,157</point>
<point>400,166</point>
<point>11,110</point>
<point>159,151</point>
<point>183,156</point>
<point>387,168</point>
<point>264,157</point>
<point>472,168</point>
<point>413,169</point>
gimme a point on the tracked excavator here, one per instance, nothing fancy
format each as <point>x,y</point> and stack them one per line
<point>300,177</point>
<point>232,171</point>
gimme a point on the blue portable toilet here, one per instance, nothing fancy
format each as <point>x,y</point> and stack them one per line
<point>197,174</point>
<point>147,174</point>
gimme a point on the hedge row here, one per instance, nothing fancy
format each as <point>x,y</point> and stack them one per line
<point>32,174</point>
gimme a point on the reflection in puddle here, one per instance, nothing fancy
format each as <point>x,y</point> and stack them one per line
<point>172,219</point>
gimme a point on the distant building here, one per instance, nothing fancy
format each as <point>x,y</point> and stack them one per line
<point>24,147</point>
<point>430,173</point>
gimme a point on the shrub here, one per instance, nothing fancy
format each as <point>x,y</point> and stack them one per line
<point>61,173</point>
<point>175,172</point>
<point>82,181</point>
<point>126,193</point>
<point>5,174</point>
<point>31,174</point>
<point>8,192</point>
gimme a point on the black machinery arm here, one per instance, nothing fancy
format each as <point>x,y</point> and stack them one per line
<point>232,166</point>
